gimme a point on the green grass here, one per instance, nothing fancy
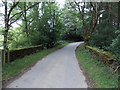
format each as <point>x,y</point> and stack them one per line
<point>97,71</point>
<point>13,68</point>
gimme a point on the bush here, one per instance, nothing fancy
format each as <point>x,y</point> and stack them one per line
<point>115,46</point>
<point>103,36</point>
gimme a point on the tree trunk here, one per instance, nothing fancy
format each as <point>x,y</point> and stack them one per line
<point>5,43</point>
<point>5,46</point>
<point>25,19</point>
<point>118,25</point>
<point>26,23</point>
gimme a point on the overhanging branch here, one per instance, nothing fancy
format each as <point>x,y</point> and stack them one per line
<point>24,10</point>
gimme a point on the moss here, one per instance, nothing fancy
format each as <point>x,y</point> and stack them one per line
<point>26,47</point>
<point>22,52</point>
<point>106,54</point>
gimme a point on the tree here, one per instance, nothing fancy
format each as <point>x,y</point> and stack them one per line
<point>10,18</point>
<point>90,13</point>
<point>73,25</point>
<point>104,33</point>
<point>46,24</point>
<point>115,46</point>
<point>8,23</point>
<point>118,25</point>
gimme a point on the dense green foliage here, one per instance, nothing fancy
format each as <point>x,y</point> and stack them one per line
<point>105,36</point>
<point>44,28</point>
<point>80,20</point>
<point>105,30</point>
<point>115,46</point>
<point>73,26</point>
<point>45,23</point>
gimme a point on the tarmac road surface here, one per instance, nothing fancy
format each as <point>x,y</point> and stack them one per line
<point>59,69</point>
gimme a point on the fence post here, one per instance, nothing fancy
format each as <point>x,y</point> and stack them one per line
<point>8,56</point>
<point>0,56</point>
<point>3,56</point>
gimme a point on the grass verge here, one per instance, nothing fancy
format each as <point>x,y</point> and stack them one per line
<point>14,68</point>
<point>99,74</point>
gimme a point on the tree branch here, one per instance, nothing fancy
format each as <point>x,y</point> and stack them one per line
<point>82,14</point>
<point>14,5</point>
<point>24,10</point>
<point>11,22</point>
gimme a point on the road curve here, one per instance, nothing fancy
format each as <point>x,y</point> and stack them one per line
<point>59,69</point>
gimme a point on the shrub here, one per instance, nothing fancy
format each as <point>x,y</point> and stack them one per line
<point>115,46</point>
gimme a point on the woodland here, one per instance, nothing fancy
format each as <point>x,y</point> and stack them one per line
<point>38,28</point>
<point>46,24</point>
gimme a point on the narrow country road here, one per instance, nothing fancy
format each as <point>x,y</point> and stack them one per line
<point>60,69</point>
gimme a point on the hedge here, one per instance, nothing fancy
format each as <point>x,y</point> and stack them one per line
<point>105,57</point>
<point>21,52</point>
